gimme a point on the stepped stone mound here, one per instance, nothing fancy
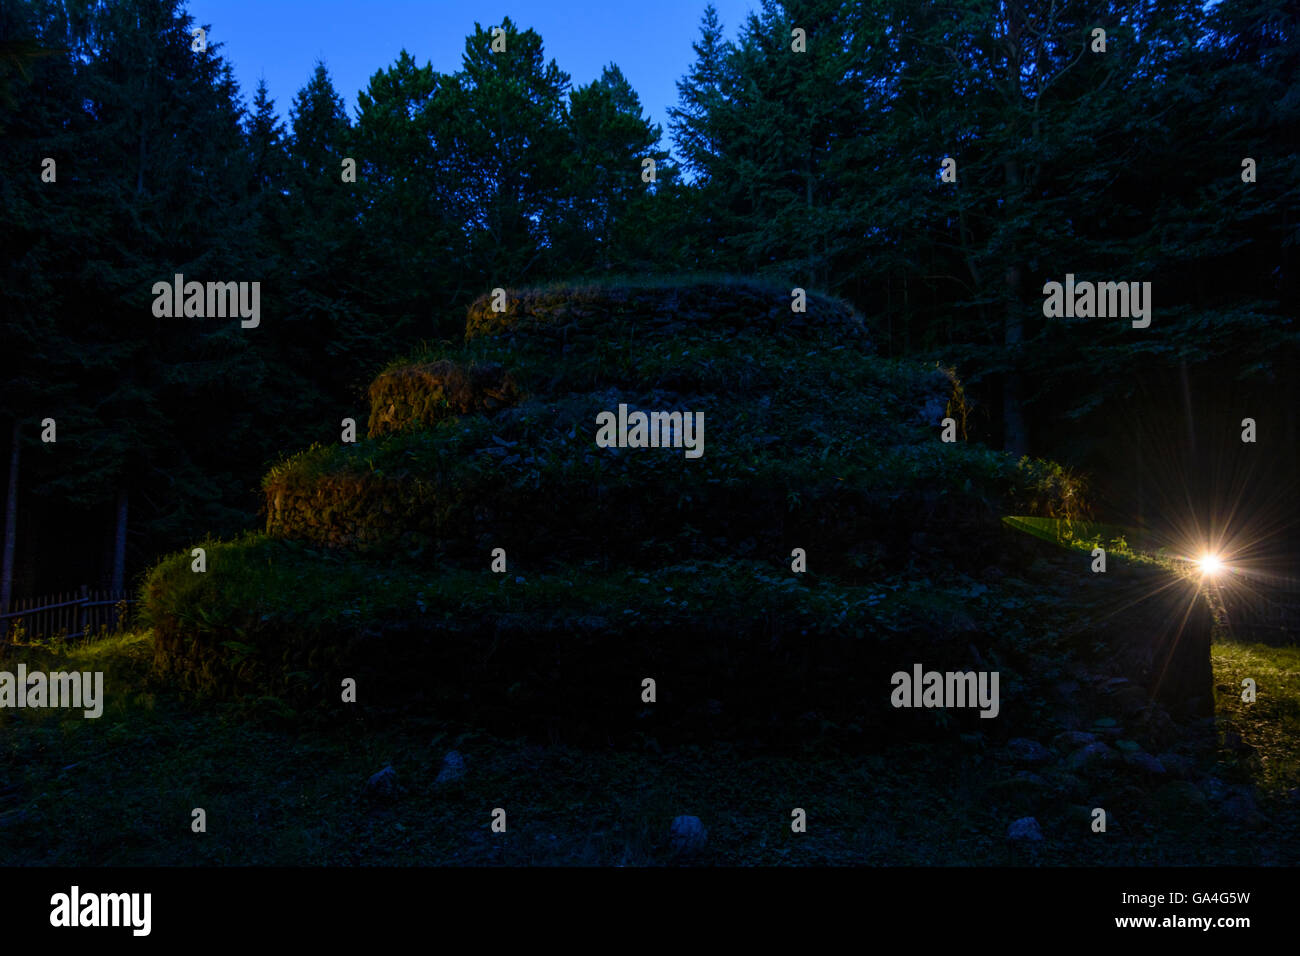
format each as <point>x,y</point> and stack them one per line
<point>629,560</point>
<point>804,437</point>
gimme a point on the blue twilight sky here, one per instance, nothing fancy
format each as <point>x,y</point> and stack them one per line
<point>281,40</point>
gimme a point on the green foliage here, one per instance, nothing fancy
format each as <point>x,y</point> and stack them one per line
<point>607,200</point>
<point>1068,161</point>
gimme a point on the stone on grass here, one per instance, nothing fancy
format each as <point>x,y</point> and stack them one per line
<point>1090,756</point>
<point>383,783</point>
<point>1025,830</point>
<point>688,835</point>
<point>1024,750</point>
<point>453,768</point>
<point>1177,765</point>
<point>1144,761</point>
<point>1239,807</point>
<point>1072,739</point>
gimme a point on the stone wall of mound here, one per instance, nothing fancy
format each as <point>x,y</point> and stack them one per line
<point>580,519</point>
<point>355,511</point>
<point>531,479</point>
<point>741,644</point>
<point>423,394</point>
<point>736,646</point>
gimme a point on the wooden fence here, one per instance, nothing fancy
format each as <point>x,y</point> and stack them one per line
<point>71,614</point>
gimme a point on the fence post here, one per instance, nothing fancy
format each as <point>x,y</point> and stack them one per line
<point>83,617</point>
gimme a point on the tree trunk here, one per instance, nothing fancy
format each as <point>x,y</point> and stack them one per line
<point>11,529</point>
<point>119,540</point>
<point>1015,437</point>
<point>1191,423</point>
<point>1141,541</point>
<point>1292,467</point>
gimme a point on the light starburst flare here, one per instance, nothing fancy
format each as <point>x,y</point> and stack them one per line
<point>1210,564</point>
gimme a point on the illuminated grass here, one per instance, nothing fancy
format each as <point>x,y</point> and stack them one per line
<point>1081,535</point>
<point>1271,725</point>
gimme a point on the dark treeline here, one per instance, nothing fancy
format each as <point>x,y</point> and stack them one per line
<point>818,168</point>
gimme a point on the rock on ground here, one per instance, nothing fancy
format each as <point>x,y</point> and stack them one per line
<point>1024,750</point>
<point>453,768</point>
<point>687,834</point>
<point>383,783</point>
<point>1025,829</point>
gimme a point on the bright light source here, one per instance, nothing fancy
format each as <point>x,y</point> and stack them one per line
<point>1210,564</point>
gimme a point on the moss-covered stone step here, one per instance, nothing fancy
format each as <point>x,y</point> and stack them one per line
<point>533,480</point>
<point>271,617</point>
<point>718,305</point>
<point>425,393</point>
<point>740,640</point>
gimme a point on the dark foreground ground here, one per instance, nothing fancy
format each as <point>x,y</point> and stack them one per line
<point>120,790</point>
